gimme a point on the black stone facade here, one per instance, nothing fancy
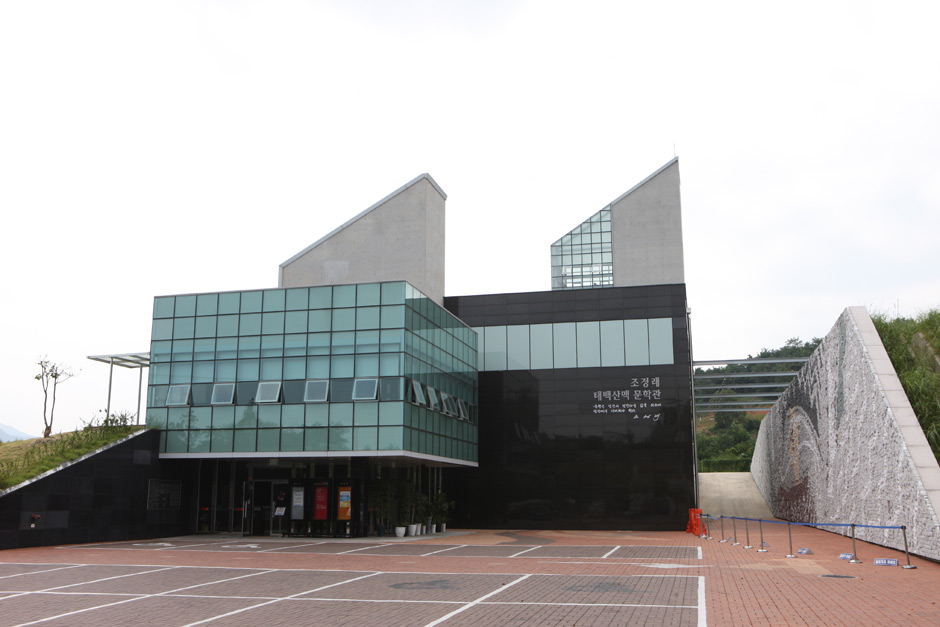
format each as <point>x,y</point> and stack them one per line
<point>547,458</point>
<point>103,498</point>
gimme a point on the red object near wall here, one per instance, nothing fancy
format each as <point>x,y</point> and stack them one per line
<point>695,522</point>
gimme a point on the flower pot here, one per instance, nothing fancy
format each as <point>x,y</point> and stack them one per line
<point>412,530</point>
<point>400,532</point>
<point>443,527</point>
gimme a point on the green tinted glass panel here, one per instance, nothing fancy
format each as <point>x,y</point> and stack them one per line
<point>182,350</point>
<point>340,438</point>
<point>295,368</point>
<point>366,414</point>
<point>176,441</point>
<point>315,439</point>
<point>272,345</point>
<point>393,316</point>
<point>390,413</point>
<point>368,294</point>
<point>204,350</point>
<point>227,325</point>
<point>207,304</point>
<point>160,351</point>
<point>248,369</point>
<point>296,299</point>
<point>269,439</point>
<point>341,367</point>
<point>292,439</point>
<point>199,441</point>
<point>341,414</point>
<point>200,418</point>
<point>163,307</point>
<point>249,346</point>
<point>295,345</point>
<point>249,324</point>
<point>393,293</point>
<point>272,323</point>
<point>366,438</point>
<point>344,319</point>
<point>251,302</point>
<point>269,416</point>
<point>224,370</point>
<point>223,417</point>
<point>367,318</point>
<point>229,303</point>
<point>318,344</point>
<point>390,364</point>
<point>318,367</point>
<point>183,328</point>
<point>660,334</point>
<point>205,326</point>
<point>292,416</point>
<point>185,306</point>
<point>222,440</point>
<point>319,320</point>
<point>392,340</point>
<point>181,372</point>
<point>246,416</point>
<point>321,297</point>
<point>271,369</point>
<point>344,296</point>
<point>160,374</point>
<point>245,440</point>
<point>368,365</point>
<point>274,300</point>
<point>317,415</point>
<point>156,418</point>
<point>636,342</point>
<point>295,322</point>
<point>367,341</point>
<point>162,329</point>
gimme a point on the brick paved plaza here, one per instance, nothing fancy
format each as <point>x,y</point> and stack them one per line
<point>469,578</point>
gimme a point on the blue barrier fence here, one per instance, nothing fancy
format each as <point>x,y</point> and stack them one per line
<point>760,521</point>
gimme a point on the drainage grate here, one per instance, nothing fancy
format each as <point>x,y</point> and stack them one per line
<point>839,576</point>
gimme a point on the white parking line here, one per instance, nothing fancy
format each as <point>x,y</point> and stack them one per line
<point>292,546</point>
<point>702,619</point>
<point>245,609</point>
<point>82,583</point>
<point>608,553</point>
<point>531,548</point>
<point>365,548</point>
<point>476,602</point>
<point>143,596</point>
<point>451,548</point>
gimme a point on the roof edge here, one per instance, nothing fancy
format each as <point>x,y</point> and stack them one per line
<point>644,181</point>
<point>374,206</point>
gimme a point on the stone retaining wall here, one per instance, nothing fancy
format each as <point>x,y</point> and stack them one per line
<point>843,445</point>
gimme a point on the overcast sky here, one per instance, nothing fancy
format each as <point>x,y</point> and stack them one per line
<point>172,147</point>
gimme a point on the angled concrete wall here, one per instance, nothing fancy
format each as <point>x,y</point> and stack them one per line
<point>646,229</point>
<point>843,445</point>
<point>401,237</point>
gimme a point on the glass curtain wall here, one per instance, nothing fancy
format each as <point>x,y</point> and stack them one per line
<point>583,258</point>
<point>330,368</point>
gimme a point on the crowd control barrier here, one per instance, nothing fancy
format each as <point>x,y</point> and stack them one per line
<point>733,539</point>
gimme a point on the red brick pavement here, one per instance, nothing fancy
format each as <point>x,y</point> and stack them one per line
<point>742,586</point>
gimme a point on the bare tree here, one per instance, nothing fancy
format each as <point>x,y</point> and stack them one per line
<point>50,376</point>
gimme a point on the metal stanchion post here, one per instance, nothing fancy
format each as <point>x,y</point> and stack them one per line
<point>854,559</point>
<point>790,533</point>
<point>734,530</point>
<point>747,534</point>
<point>721,520</point>
<point>760,524</point>
<point>906,553</point>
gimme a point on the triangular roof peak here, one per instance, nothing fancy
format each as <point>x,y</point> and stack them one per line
<point>644,181</point>
<point>414,181</point>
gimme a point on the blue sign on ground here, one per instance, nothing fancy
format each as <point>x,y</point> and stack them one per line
<point>846,556</point>
<point>886,561</point>
<point>804,551</point>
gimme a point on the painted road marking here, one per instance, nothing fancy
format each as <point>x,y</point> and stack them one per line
<point>477,601</point>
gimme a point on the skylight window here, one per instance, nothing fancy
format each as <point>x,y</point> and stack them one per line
<point>268,392</point>
<point>223,393</point>
<point>316,391</point>
<point>365,389</point>
<point>177,395</point>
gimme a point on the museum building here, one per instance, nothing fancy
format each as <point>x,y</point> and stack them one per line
<point>312,407</point>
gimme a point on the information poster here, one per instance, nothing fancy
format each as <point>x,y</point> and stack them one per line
<point>344,510</point>
<point>320,502</point>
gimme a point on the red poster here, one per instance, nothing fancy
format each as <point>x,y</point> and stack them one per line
<point>320,502</point>
<point>344,511</point>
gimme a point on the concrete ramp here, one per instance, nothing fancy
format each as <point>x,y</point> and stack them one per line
<point>731,494</point>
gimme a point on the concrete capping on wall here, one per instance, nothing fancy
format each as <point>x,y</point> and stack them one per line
<point>843,445</point>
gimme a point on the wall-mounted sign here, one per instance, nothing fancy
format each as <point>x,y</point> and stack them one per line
<point>344,506</point>
<point>641,399</point>
<point>163,494</point>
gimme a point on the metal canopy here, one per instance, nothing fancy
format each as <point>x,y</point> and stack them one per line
<point>740,389</point>
<point>124,360</point>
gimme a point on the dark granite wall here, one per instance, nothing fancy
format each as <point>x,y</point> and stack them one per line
<point>102,498</point>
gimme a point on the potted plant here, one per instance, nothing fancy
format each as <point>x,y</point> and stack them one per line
<point>423,512</point>
<point>381,503</point>
<point>406,503</point>
<point>441,509</point>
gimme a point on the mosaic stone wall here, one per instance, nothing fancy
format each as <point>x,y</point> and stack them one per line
<point>843,445</point>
